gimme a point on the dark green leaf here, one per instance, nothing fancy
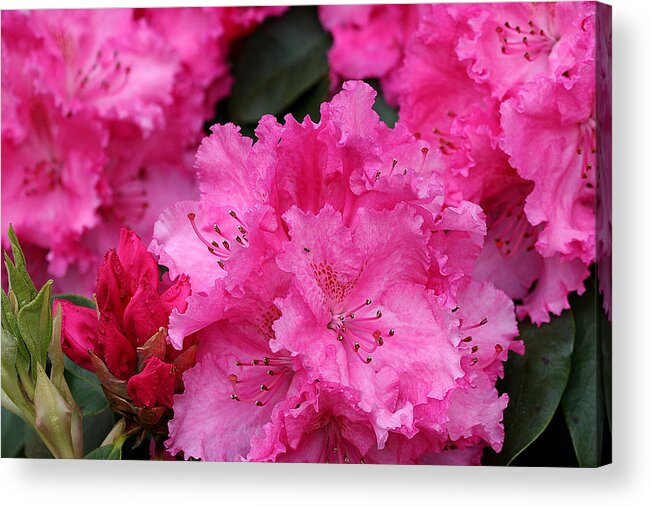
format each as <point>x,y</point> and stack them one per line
<point>535,383</point>
<point>100,453</point>
<point>96,428</point>
<point>583,398</point>
<point>310,102</point>
<point>85,388</point>
<point>107,452</point>
<point>277,64</point>
<point>13,435</point>
<point>161,271</point>
<point>606,338</point>
<point>76,299</point>
<point>387,113</point>
<point>87,392</point>
<point>34,446</point>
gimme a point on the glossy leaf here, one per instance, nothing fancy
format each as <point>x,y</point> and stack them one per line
<point>13,435</point>
<point>96,427</point>
<point>85,388</point>
<point>113,451</point>
<point>100,453</point>
<point>88,393</point>
<point>535,383</point>
<point>283,59</point>
<point>34,446</point>
<point>388,114</point>
<point>309,104</point>
<point>606,335</point>
<point>583,398</point>
<point>76,299</point>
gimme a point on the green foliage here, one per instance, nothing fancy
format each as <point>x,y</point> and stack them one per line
<point>582,401</point>
<point>87,392</point>
<point>112,450</point>
<point>106,452</point>
<point>161,271</point>
<point>96,427</point>
<point>283,60</point>
<point>535,383</point>
<point>606,342</point>
<point>33,382</point>
<point>563,382</point>
<point>20,283</point>
<point>13,435</point>
<point>34,446</point>
<point>388,114</point>
<point>309,104</point>
<point>85,388</point>
<point>35,326</point>
<point>76,300</point>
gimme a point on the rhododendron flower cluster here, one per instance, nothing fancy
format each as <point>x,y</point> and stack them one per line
<point>338,286</point>
<point>124,340</point>
<point>102,111</point>
<point>333,300</point>
<point>505,93</point>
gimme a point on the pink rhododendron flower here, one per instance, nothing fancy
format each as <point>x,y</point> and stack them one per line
<point>201,37</point>
<point>476,81</point>
<point>124,339</point>
<point>536,256</point>
<point>369,40</point>
<point>324,427</point>
<point>603,107</point>
<point>539,118</point>
<point>52,192</point>
<point>238,380</point>
<point>333,298</point>
<point>511,44</point>
<point>102,113</point>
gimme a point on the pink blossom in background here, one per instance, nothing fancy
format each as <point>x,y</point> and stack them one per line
<point>476,82</point>
<point>333,298</point>
<point>369,40</point>
<point>511,44</point>
<point>102,112</point>
<point>603,57</point>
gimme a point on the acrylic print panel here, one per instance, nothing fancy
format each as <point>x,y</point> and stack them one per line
<point>372,234</point>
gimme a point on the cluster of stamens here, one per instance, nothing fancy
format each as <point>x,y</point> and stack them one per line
<point>260,379</point>
<point>448,144</point>
<point>359,334</point>
<point>129,197</point>
<point>378,174</point>
<point>513,230</point>
<point>44,176</point>
<point>531,41</point>
<point>508,221</point>
<point>107,75</point>
<point>467,344</point>
<point>586,148</point>
<point>336,448</point>
<point>222,247</point>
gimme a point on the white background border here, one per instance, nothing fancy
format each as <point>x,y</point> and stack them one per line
<point>627,482</point>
